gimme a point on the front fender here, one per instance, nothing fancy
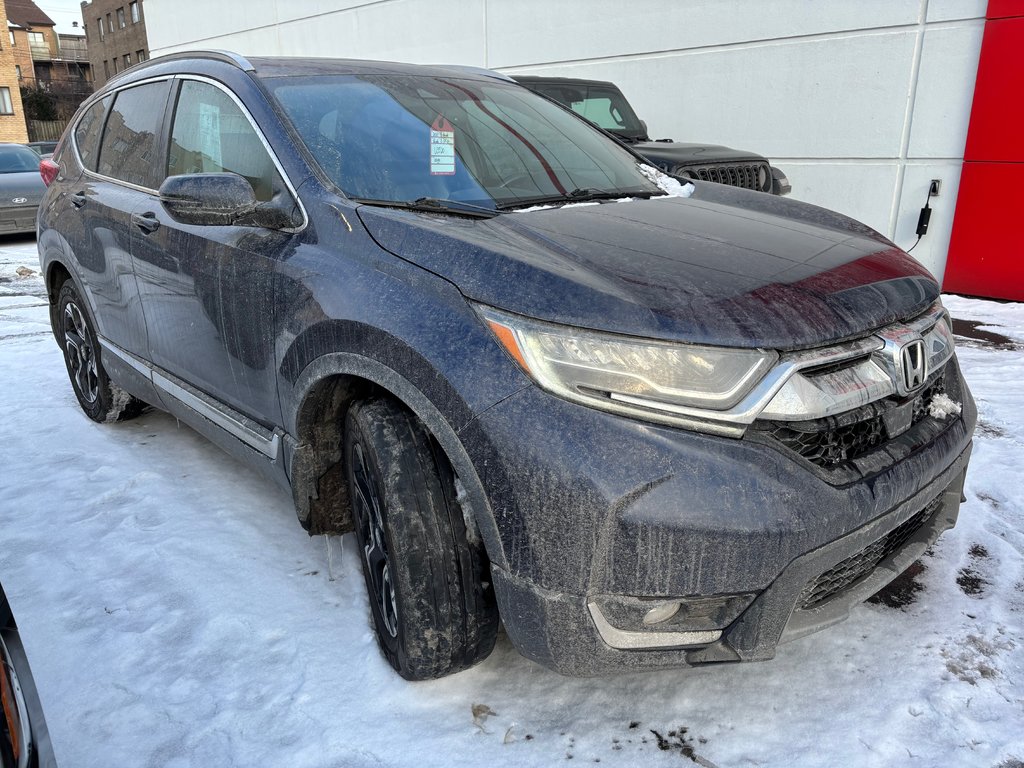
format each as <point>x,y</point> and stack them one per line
<point>305,469</point>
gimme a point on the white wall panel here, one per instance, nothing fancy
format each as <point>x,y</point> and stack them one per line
<point>948,10</point>
<point>861,190</point>
<point>406,30</point>
<point>945,90</point>
<point>861,103</point>
<point>931,251</point>
<point>841,97</point>
<point>540,31</point>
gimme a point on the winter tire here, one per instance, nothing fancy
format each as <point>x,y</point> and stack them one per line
<point>101,399</point>
<point>427,577</point>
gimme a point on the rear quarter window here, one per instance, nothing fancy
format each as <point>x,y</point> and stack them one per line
<point>88,130</point>
<point>130,144</point>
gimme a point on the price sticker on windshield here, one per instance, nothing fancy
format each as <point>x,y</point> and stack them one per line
<point>442,148</point>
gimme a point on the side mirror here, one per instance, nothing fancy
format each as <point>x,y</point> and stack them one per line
<point>643,127</point>
<point>208,199</point>
<point>220,199</point>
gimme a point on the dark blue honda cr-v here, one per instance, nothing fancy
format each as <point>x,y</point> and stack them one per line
<point>648,423</point>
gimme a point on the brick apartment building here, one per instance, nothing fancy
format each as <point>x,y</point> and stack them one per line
<point>56,61</point>
<point>116,30</point>
<point>12,114</point>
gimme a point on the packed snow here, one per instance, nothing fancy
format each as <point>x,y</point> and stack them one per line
<point>175,614</point>
<point>670,186</point>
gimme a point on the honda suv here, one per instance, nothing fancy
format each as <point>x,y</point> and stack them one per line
<point>647,422</point>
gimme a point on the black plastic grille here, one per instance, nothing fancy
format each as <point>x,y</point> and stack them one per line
<point>833,441</point>
<point>754,176</point>
<point>848,572</point>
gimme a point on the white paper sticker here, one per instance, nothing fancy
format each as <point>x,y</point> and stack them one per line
<point>209,137</point>
<point>442,148</point>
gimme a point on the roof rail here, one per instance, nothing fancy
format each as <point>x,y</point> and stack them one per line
<point>477,71</point>
<point>228,57</point>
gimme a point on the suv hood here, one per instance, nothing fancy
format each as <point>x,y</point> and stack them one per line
<point>670,153</point>
<point>725,266</point>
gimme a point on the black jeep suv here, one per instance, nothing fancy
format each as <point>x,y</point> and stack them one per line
<point>605,105</point>
<point>648,423</point>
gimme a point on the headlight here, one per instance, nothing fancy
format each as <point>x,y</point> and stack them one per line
<point>645,378</point>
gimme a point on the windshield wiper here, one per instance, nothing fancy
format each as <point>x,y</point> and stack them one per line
<point>436,205</point>
<point>578,195</point>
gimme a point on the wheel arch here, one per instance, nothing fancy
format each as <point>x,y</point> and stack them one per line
<point>324,390</point>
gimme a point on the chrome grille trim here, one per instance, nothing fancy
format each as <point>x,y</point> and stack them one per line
<point>787,394</point>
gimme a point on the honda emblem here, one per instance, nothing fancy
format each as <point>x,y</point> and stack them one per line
<point>914,364</point>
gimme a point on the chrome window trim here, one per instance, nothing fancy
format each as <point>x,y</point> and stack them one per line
<point>249,432</point>
<point>203,79</point>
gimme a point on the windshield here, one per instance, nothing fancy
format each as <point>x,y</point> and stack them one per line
<point>18,160</point>
<point>405,138</point>
<point>601,104</point>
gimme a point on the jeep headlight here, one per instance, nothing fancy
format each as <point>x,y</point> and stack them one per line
<point>642,377</point>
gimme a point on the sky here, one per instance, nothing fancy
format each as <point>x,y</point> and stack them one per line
<point>63,12</point>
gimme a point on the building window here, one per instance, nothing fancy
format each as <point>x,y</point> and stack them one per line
<point>106,69</point>
<point>10,34</point>
<point>17,68</point>
<point>110,23</point>
<point>99,23</point>
<point>120,18</point>
<point>6,107</point>
<point>127,60</point>
<point>134,9</point>
<point>140,56</point>
<point>114,62</point>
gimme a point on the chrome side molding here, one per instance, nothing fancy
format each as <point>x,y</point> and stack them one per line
<point>255,435</point>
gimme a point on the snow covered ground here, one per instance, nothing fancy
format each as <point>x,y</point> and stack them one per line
<point>177,615</point>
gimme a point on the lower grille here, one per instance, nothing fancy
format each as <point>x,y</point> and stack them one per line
<point>848,572</point>
<point>832,441</point>
<point>754,176</point>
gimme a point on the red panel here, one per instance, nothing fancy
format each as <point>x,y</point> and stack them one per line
<point>986,250</point>
<point>997,116</point>
<point>1001,9</point>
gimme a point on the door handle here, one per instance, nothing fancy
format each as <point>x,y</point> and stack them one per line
<point>79,199</point>
<point>147,222</point>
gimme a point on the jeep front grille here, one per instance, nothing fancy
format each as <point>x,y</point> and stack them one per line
<point>755,176</point>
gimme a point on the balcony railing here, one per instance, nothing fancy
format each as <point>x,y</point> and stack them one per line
<point>40,52</point>
<point>73,53</point>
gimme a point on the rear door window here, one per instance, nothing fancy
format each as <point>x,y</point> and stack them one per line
<point>88,130</point>
<point>131,139</point>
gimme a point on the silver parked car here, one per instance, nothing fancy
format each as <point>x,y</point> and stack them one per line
<point>21,188</point>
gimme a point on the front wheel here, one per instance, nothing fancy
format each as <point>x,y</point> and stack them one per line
<point>428,580</point>
<point>101,399</point>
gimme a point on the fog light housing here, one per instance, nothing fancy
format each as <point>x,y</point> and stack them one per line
<point>661,613</point>
<point>676,614</point>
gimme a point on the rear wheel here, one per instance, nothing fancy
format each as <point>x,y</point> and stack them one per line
<point>427,578</point>
<point>101,399</point>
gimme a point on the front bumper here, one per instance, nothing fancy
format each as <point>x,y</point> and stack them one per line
<point>616,515</point>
